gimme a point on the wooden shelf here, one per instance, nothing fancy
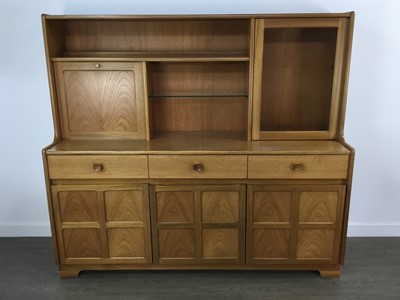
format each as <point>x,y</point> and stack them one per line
<point>199,96</point>
<point>154,56</point>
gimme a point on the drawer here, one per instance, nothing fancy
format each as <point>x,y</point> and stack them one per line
<point>97,166</point>
<point>298,166</point>
<point>197,166</point>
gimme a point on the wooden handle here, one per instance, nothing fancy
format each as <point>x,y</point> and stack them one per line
<point>297,167</point>
<point>98,167</point>
<point>198,167</point>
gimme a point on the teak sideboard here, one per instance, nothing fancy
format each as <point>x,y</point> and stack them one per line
<point>199,141</point>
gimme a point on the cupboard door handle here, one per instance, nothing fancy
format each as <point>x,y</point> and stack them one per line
<point>297,167</point>
<point>97,65</point>
<point>198,167</point>
<point>98,167</point>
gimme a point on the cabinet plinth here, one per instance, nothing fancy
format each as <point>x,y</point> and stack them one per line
<point>198,142</point>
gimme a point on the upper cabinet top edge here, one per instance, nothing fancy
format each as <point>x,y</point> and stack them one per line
<point>202,16</point>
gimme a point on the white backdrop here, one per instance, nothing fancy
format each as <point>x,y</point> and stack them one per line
<point>373,111</point>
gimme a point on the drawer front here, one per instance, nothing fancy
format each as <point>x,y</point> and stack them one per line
<point>198,166</point>
<point>298,166</point>
<point>97,166</point>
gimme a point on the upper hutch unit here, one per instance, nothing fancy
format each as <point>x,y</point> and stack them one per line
<point>193,142</point>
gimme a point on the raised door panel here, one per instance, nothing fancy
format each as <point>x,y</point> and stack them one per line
<point>269,224</point>
<point>270,243</point>
<point>220,243</point>
<point>128,224</point>
<point>176,244</point>
<point>220,206</point>
<point>102,224</point>
<point>198,224</point>
<point>102,100</point>
<point>127,243</point>
<point>82,243</point>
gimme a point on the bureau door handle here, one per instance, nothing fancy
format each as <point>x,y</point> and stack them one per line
<point>198,167</point>
<point>297,167</point>
<point>98,167</point>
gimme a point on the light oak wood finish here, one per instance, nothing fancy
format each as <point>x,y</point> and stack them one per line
<point>97,166</point>
<point>101,99</point>
<point>198,143</point>
<point>232,122</point>
<point>102,224</point>
<point>198,166</point>
<point>298,166</point>
<point>299,53</point>
<point>294,224</point>
<point>187,230</point>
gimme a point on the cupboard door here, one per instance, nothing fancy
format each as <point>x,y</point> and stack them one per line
<point>298,70</point>
<point>102,100</point>
<point>198,224</point>
<point>294,224</point>
<point>102,224</point>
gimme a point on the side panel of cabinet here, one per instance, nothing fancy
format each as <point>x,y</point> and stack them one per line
<point>294,224</point>
<point>102,100</point>
<point>102,224</point>
<point>298,70</point>
<point>198,224</point>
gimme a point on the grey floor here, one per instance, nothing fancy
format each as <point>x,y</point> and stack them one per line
<point>372,271</point>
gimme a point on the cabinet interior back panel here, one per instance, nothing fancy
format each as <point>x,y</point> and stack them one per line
<point>158,35</point>
<point>298,66</point>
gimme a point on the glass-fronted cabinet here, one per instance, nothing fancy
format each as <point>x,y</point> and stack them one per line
<point>298,78</point>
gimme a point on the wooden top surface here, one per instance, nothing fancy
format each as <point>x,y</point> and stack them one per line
<point>201,16</point>
<point>196,143</point>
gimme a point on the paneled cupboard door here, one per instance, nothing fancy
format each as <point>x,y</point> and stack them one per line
<point>294,224</point>
<point>102,224</point>
<point>297,77</point>
<point>102,99</point>
<point>198,224</point>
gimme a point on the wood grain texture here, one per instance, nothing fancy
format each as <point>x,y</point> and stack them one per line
<point>198,79</point>
<point>312,166</point>
<point>126,243</point>
<point>220,243</point>
<point>272,207</point>
<point>176,243</point>
<point>78,206</point>
<point>182,166</point>
<point>271,244</point>
<point>82,243</point>
<point>301,60</point>
<point>313,244</point>
<point>198,143</point>
<point>203,114</point>
<point>124,205</point>
<point>101,99</point>
<point>175,206</point>
<point>82,166</point>
<point>157,35</point>
<point>220,206</point>
<point>318,207</point>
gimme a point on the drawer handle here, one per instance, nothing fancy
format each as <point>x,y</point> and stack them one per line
<point>198,167</point>
<point>297,167</point>
<point>98,167</point>
<point>97,66</point>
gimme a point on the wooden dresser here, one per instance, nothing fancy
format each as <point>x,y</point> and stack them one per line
<point>199,141</point>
